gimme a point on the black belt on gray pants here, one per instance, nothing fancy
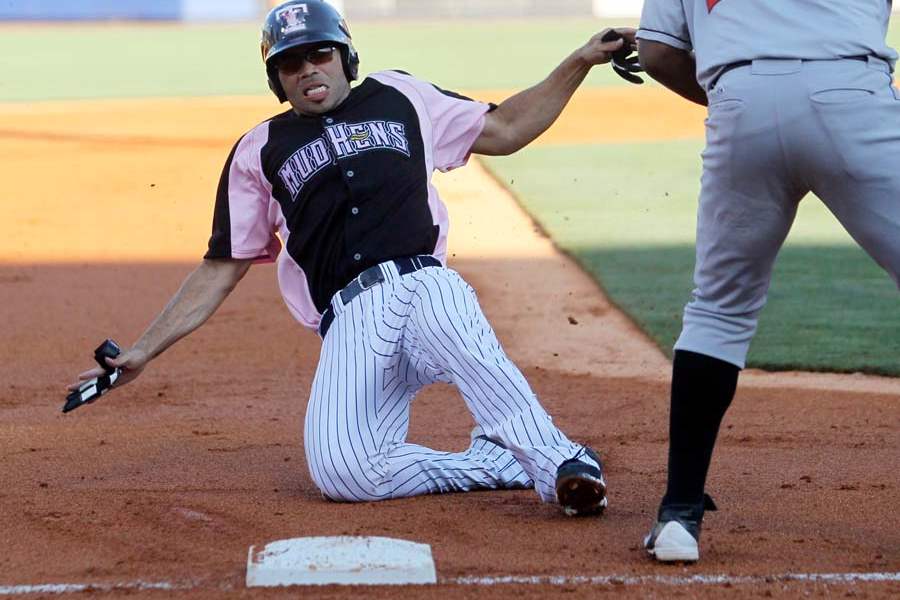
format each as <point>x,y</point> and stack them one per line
<point>745,63</point>
<point>373,276</point>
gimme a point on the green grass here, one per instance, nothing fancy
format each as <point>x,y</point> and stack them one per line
<point>128,60</point>
<point>629,220</point>
<point>106,61</point>
<point>479,55</point>
<point>134,60</point>
<point>847,323</point>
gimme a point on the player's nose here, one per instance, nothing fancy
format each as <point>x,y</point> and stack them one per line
<point>308,69</point>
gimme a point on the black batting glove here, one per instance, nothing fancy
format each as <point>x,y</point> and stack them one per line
<point>623,63</point>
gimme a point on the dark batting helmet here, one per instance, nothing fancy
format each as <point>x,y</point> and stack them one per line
<point>299,22</point>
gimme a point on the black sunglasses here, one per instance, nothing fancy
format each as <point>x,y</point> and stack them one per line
<point>293,61</point>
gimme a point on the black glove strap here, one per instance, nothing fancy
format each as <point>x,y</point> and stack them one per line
<point>623,63</point>
<point>92,389</point>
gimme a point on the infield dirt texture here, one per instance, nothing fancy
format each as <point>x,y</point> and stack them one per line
<point>107,206</point>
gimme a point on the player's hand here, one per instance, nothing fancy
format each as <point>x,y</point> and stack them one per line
<point>132,363</point>
<point>598,52</point>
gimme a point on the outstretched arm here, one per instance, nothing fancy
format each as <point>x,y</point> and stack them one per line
<point>521,118</point>
<point>674,68</point>
<point>202,292</point>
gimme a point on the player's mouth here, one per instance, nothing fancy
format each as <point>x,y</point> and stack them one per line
<point>316,93</point>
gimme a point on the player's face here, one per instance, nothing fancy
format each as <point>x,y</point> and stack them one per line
<point>313,78</point>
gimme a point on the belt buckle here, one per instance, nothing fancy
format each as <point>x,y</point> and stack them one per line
<point>370,277</point>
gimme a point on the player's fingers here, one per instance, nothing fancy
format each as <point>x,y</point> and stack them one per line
<point>628,33</point>
<point>612,46</point>
<point>129,360</point>
<point>130,363</point>
<point>90,373</point>
<point>117,362</point>
<point>85,376</point>
<point>603,52</point>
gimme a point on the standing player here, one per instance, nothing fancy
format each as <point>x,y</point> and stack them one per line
<point>344,179</point>
<point>800,99</point>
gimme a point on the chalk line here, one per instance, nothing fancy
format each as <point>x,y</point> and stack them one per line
<point>555,580</point>
<point>675,580</point>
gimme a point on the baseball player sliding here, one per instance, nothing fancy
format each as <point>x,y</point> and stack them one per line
<point>338,192</point>
<point>800,100</point>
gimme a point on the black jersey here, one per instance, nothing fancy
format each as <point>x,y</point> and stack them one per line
<point>344,190</point>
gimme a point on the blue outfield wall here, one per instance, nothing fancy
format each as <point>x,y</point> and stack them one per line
<point>153,10</point>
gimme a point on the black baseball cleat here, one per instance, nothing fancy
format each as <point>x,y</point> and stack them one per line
<point>676,535</point>
<point>580,487</point>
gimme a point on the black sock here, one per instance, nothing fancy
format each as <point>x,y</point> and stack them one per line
<point>702,390</point>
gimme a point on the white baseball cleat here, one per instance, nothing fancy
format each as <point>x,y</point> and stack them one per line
<point>670,542</point>
<point>676,535</point>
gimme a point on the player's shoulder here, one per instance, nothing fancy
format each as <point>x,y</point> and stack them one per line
<point>257,134</point>
<point>398,74</point>
<point>281,117</point>
<point>406,81</point>
<point>395,78</point>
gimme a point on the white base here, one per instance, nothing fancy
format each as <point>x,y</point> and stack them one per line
<point>340,560</point>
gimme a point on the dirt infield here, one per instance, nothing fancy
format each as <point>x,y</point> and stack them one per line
<point>170,480</point>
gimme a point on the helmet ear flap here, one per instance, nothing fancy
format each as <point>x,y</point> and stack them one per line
<point>350,60</point>
<point>275,84</point>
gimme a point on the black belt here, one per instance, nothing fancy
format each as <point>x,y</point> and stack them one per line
<point>371,277</point>
<point>746,63</point>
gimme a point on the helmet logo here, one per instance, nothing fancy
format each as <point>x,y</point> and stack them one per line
<point>292,18</point>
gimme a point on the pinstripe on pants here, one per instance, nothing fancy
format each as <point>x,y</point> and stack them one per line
<point>385,345</point>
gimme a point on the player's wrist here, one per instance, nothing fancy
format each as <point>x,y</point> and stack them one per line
<point>583,58</point>
<point>138,356</point>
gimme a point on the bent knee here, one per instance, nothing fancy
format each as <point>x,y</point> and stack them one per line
<point>344,484</point>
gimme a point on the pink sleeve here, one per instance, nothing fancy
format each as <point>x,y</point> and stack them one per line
<point>456,121</point>
<point>242,227</point>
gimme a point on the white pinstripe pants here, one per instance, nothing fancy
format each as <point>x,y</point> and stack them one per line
<point>385,345</point>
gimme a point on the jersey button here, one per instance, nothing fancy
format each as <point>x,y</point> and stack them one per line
<point>329,120</point>
<point>354,210</point>
<point>350,173</point>
<point>357,256</point>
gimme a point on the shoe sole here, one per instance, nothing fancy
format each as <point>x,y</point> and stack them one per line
<point>581,494</point>
<point>675,544</point>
